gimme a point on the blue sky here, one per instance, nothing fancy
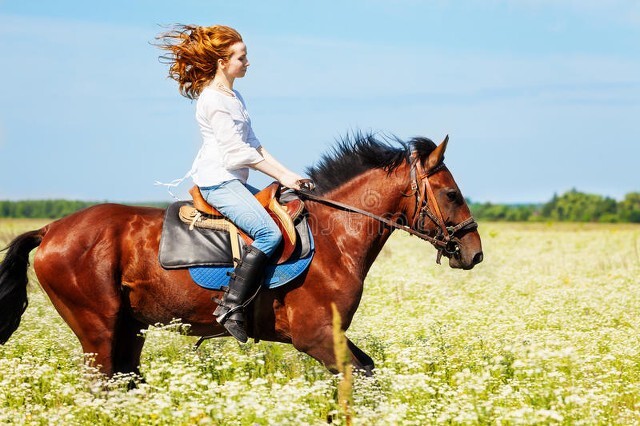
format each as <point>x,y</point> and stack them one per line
<point>538,97</point>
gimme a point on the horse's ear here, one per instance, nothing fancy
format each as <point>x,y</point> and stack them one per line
<point>437,155</point>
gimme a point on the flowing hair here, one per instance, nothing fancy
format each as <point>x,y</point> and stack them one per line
<point>193,53</point>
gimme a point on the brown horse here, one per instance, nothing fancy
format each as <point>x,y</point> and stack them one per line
<point>100,268</point>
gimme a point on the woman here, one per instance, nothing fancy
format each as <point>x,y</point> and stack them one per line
<point>206,61</point>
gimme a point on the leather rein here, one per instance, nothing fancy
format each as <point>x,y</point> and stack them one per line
<point>445,240</point>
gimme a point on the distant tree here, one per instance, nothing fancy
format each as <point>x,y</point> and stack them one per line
<point>629,208</point>
<point>51,209</point>
<point>5,208</point>
<point>549,207</point>
<point>504,212</point>
<point>575,206</point>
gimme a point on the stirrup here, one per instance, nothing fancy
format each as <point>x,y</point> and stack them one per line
<point>221,319</point>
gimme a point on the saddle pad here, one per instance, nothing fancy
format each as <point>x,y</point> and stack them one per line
<point>213,278</point>
<point>181,247</point>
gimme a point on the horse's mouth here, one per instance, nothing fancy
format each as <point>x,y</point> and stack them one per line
<point>457,261</point>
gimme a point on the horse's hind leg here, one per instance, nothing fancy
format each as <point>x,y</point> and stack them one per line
<point>92,319</point>
<point>95,331</point>
<point>126,349</point>
<point>114,338</point>
<point>127,345</point>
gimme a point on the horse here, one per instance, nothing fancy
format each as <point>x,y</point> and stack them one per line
<point>99,266</point>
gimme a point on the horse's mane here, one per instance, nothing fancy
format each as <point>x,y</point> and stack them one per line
<point>354,154</point>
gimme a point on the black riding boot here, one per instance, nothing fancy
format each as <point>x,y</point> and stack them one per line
<point>245,279</point>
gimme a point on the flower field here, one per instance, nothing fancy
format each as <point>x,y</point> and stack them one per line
<point>544,331</point>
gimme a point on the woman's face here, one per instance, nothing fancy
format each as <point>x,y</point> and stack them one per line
<point>237,64</point>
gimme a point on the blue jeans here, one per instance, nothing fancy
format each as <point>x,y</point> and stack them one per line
<point>236,201</point>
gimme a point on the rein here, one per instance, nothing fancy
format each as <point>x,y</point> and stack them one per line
<point>445,240</point>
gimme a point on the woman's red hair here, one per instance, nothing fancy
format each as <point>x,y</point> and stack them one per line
<point>193,54</point>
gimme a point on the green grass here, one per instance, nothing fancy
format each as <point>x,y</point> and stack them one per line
<point>544,331</point>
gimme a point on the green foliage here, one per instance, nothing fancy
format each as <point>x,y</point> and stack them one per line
<point>505,212</point>
<point>49,209</point>
<point>629,208</point>
<point>572,206</point>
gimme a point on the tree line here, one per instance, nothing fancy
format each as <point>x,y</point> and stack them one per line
<point>572,206</point>
<point>49,209</point>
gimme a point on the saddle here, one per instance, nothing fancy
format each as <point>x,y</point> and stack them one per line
<point>204,215</point>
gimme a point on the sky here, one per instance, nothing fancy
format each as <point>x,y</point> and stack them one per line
<point>537,97</point>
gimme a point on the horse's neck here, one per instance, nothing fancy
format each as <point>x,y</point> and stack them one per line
<point>358,238</point>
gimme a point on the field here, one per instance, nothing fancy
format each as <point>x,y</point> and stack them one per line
<point>544,331</point>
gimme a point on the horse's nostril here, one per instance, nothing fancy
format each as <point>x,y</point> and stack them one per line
<point>477,258</point>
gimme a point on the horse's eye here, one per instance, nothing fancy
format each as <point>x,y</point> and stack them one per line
<point>452,195</point>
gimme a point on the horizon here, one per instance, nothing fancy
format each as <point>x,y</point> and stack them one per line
<point>469,200</point>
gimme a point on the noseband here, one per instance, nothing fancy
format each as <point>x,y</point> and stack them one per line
<point>445,236</point>
<point>444,240</point>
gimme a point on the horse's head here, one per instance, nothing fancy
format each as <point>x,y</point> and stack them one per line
<point>440,209</point>
<point>418,196</point>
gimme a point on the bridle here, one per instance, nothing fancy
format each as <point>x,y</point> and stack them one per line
<point>444,240</point>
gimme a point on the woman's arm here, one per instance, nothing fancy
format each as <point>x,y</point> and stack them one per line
<point>267,156</point>
<point>271,167</point>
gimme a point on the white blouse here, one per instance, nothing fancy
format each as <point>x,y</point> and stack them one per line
<point>229,145</point>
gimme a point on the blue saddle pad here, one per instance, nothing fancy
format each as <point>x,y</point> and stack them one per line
<point>214,277</point>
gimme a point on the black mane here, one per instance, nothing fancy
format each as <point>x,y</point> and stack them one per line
<point>355,154</point>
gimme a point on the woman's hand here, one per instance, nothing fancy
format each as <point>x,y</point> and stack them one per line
<point>291,180</point>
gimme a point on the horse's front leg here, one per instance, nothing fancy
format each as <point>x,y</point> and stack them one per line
<point>318,342</point>
<point>360,360</point>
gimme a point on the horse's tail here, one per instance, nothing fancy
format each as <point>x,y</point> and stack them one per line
<point>13,281</point>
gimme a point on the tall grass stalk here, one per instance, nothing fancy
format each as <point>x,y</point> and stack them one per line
<point>343,361</point>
